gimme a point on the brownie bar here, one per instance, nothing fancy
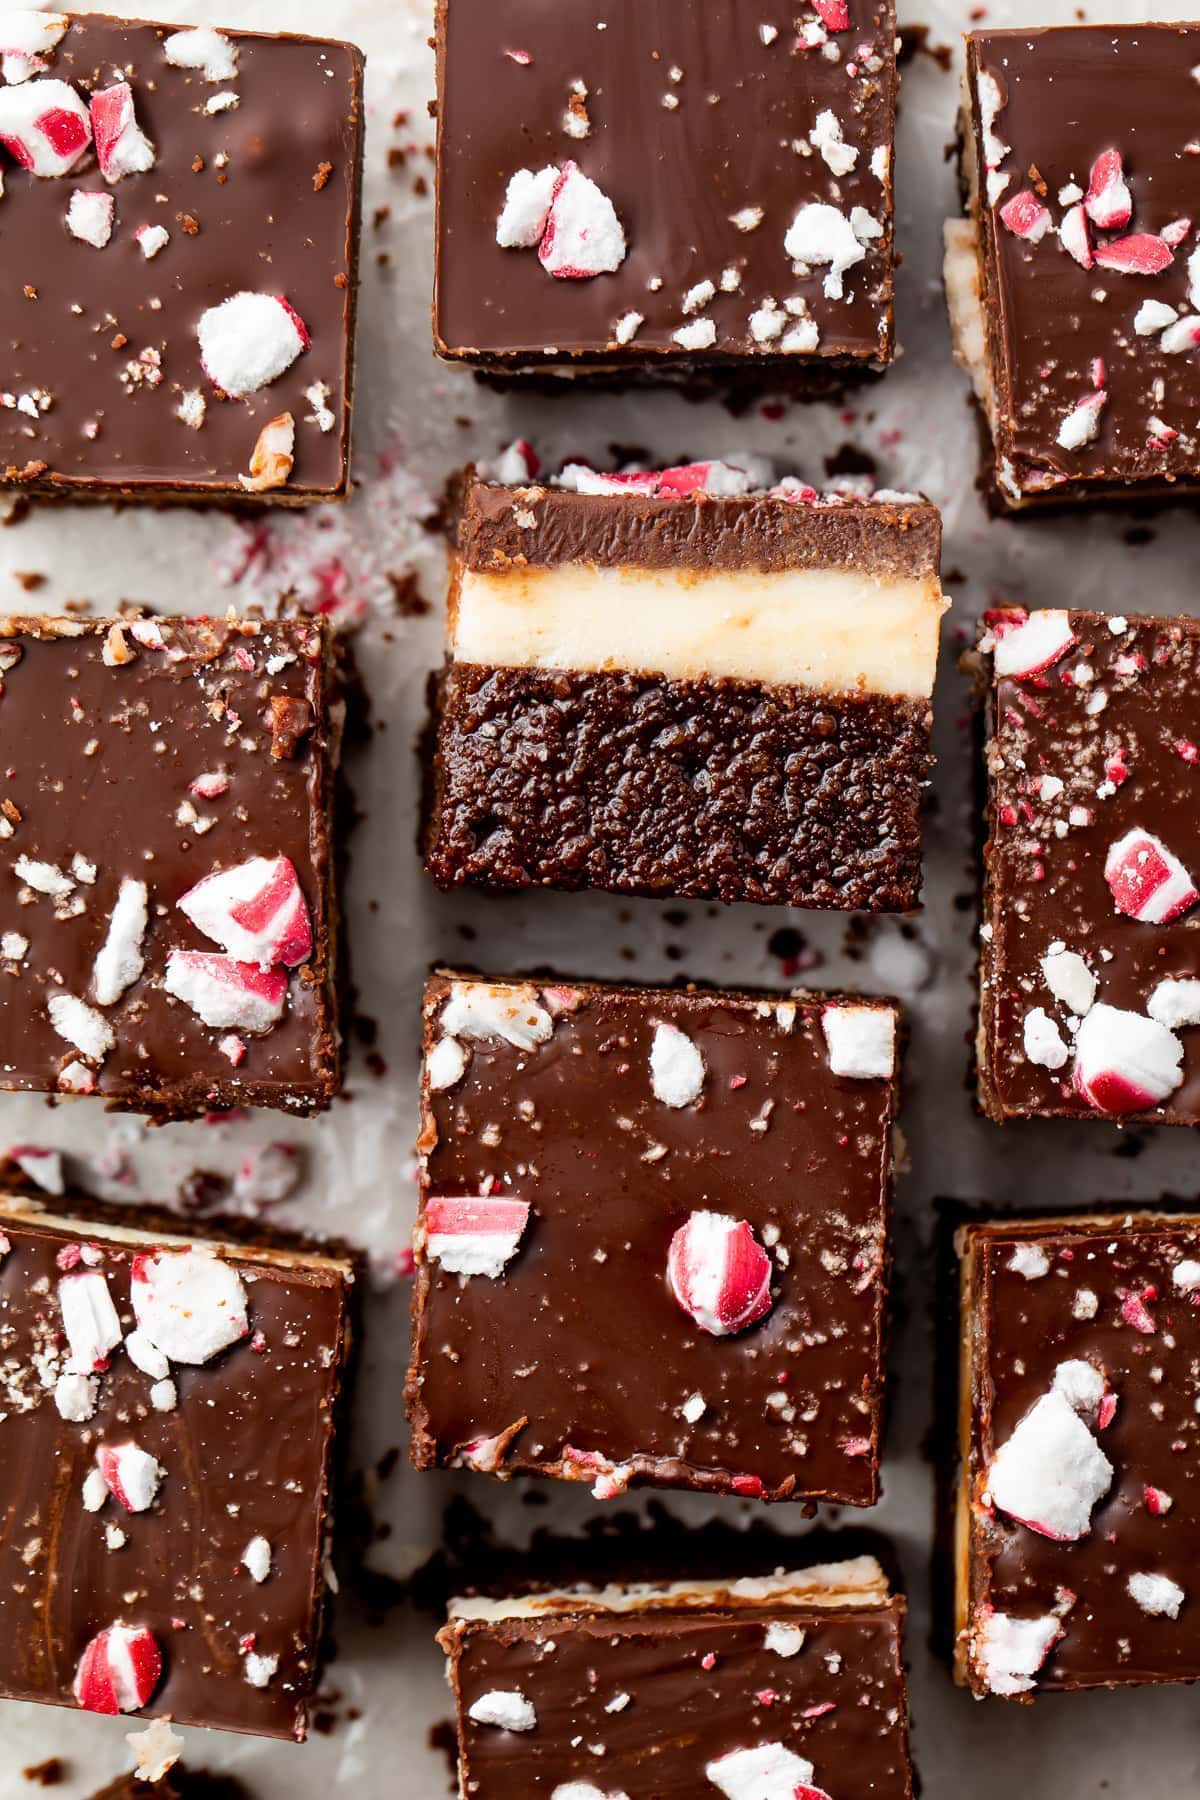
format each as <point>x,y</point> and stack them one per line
<point>679,694</point>
<point>1079,1498</point>
<point>1089,967</point>
<point>762,1689</point>
<point>180,224</point>
<point>1072,281</point>
<point>168,1428</point>
<point>653,1242</point>
<point>667,187</point>
<point>167,927</point>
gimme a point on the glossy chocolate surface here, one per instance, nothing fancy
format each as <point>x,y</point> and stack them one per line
<point>692,119</point>
<point>1123,700</point>
<point>680,1715</point>
<point>245,1453</point>
<point>261,197</point>
<point>580,1337</point>
<point>1017,1332</point>
<point>98,761</point>
<point>1069,95</point>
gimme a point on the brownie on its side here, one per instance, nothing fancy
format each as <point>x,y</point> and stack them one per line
<point>167,916</point>
<point>1079,1497</point>
<point>656,690</point>
<point>167,1440</point>
<point>653,1242</point>
<point>179,232</point>
<point>665,189</point>
<point>785,1688</point>
<point>1090,963</point>
<point>1073,281</point>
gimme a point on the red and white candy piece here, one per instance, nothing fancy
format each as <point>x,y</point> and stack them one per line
<point>1141,253</point>
<point>122,147</point>
<point>190,1304</point>
<point>89,1320</point>
<point>224,993</point>
<point>1026,644</point>
<point>249,340</point>
<point>861,1041</point>
<point>26,40</point>
<point>833,14</point>
<point>1081,425</point>
<point>256,911</point>
<point>1026,217</point>
<point>1124,1062</point>
<point>1051,1472</point>
<point>472,1236</point>
<point>1073,236</point>
<point>1147,882</point>
<point>131,1475</point>
<point>526,208</point>
<point>43,1167</point>
<point>44,126</point>
<point>119,1670</point>
<point>765,1772</point>
<point>719,1273</point>
<point>1108,202</point>
<point>583,235</point>
<point>90,217</point>
<point>1008,1651</point>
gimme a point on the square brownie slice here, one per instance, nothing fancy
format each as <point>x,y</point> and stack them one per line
<point>168,1427</point>
<point>653,1241</point>
<point>180,235</point>
<point>657,686</point>
<point>1079,1496</point>
<point>660,189</point>
<point>167,906</point>
<point>1090,965</point>
<point>757,1689</point>
<point>1074,280</point>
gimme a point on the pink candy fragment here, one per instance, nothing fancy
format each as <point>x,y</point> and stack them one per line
<point>256,911</point>
<point>130,1475</point>
<point>1124,1062</point>
<point>471,1236</point>
<point>719,1273</point>
<point>1026,644</point>
<point>44,126</point>
<point>225,993</point>
<point>1026,217</point>
<point>1147,881</point>
<point>1141,253</point>
<point>1107,201</point>
<point>122,147</point>
<point>833,14</point>
<point>119,1670</point>
<point>583,235</point>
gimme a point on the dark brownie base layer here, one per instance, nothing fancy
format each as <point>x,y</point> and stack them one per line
<point>722,789</point>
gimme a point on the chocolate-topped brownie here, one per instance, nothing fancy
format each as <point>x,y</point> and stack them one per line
<point>664,684</point>
<point>664,186</point>
<point>167,1429</point>
<point>1079,1498</point>
<point>167,909</point>
<point>653,1241</point>
<point>1074,280</point>
<point>784,1688</point>
<point>179,235</point>
<point>1090,965</point>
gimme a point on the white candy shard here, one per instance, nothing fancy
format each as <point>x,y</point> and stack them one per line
<point>256,1559</point>
<point>1080,1383</point>
<point>1027,646</point>
<point>202,48</point>
<point>1010,1651</point>
<point>120,961</point>
<point>766,1772</point>
<point>1152,316</point>
<point>583,235</point>
<point>584,1790</point>
<point>248,341</point>
<point>89,1320</point>
<point>26,40</point>
<point>90,217</point>
<point>43,877</point>
<point>1082,424</point>
<point>820,236</point>
<point>504,1707</point>
<point>446,1064</point>
<point>526,208</point>
<point>783,1640</point>
<point>95,1491</point>
<point>1124,1062</point>
<point>470,1236</point>
<point>189,1303</point>
<point>861,1041</point>
<point>146,1356</point>
<point>1185,1276</point>
<point>157,1750</point>
<point>479,1012</point>
<point>258,1669</point>
<point>75,1397</point>
<point>1069,979</point>
<point>43,1167</point>
<point>151,239</point>
<point>225,993</point>
<point>81,1025</point>
<point>1157,1595</point>
<point>1051,1472</point>
<point>1175,1002</point>
<point>826,137</point>
<point>1043,1041</point>
<point>44,126</point>
<point>1030,1261</point>
<point>676,1067</point>
<point>131,1476</point>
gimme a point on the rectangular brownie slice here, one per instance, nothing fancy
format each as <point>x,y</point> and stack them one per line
<point>180,232</point>
<point>653,1241</point>
<point>1073,280</point>
<point>1079,1495</point>
<point>167,914</point>
<point>168,1424</point>
<point>784,1688</point>
<point>1090,965</point>
<point>661,189</point>
<point>657,690</point>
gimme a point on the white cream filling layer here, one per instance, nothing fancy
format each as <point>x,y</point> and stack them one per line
<point>964,299</point>
<point>857,1582</point>
<point>829,629</point>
